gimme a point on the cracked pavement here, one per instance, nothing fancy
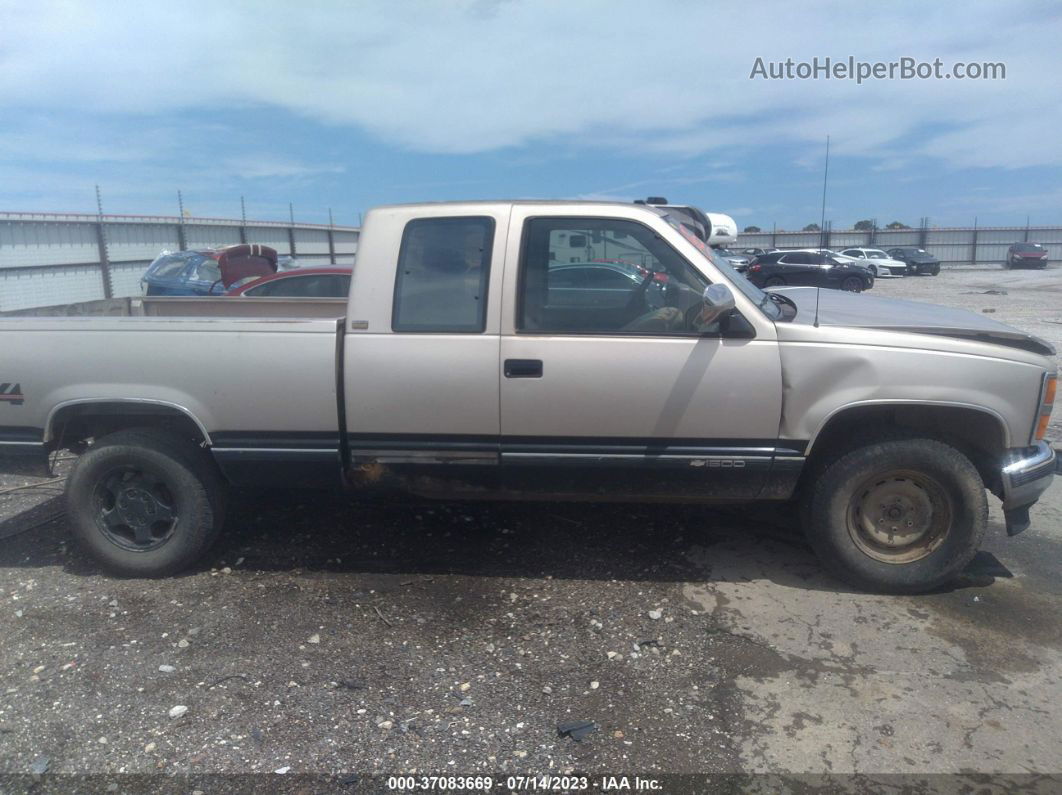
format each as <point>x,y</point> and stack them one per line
<point>327,634</point>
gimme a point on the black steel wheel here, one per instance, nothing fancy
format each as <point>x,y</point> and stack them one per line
<point>135,508</point>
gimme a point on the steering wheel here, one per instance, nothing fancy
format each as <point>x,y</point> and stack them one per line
<point>637,299</point>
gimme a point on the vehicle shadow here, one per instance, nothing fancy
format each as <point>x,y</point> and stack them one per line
<point>341,534</point>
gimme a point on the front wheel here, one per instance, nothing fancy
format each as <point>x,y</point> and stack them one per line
<point>852,284</point>
<point>145,503</point>
<point>873,271</point>
<point>897,516</point>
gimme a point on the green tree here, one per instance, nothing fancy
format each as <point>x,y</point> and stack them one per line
<point>812,228</point>
<point>897,225</point>
<point>864,226</point>
<point>752,229</point>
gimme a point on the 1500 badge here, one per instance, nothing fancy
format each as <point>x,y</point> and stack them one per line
<point>11,393</point>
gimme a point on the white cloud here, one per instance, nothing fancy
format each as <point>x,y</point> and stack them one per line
<point>477,76</point>
<point>252,166</point>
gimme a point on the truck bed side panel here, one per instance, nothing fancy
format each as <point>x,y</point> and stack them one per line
<point>263,391</point>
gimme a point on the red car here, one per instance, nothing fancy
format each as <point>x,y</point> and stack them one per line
<point>1026,255</point>
<point>332,281</point>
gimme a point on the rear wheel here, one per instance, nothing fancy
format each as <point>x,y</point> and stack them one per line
<point>852,284</point>
<point>774,281</point>
<point>897,516</point>
<point>936,270</point>
<point>145,503</point>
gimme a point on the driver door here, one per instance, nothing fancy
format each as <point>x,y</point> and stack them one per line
<point>626,398</point>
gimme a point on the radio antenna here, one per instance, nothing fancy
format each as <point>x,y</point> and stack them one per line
<point>818,292</point>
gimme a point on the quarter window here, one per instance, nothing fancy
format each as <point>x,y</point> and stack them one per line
<point>443,273</point>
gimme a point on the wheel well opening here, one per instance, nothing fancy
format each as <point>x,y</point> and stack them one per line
<point>74,426</point>
<point>977,434</point>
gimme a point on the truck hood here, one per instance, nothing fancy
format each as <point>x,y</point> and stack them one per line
<point>858,310</point>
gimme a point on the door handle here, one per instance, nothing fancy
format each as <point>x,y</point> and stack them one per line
<point>523,368</point>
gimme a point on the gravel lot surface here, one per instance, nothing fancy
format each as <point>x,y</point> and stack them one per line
<point>331,635</point>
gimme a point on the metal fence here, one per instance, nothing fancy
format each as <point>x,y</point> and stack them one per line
<point>50,258</point>
<point>953,246</point>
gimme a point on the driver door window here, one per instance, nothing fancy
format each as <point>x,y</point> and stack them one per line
<point>604,276</point>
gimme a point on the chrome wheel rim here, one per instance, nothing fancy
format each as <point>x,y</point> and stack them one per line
<point>899,516</point>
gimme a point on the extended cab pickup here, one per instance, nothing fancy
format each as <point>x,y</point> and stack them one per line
<point>551,350</point>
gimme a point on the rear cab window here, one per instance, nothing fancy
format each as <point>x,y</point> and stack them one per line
<point>443,275</point>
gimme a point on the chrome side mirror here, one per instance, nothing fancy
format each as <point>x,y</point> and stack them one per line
<point>718,301</point>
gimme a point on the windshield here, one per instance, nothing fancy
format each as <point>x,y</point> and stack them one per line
<point>739,282</point>
<point>1026,247</point>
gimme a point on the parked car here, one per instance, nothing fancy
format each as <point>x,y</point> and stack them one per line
<point>324,282</point>
<point>877,261</point>
<point>829,251</point>
<point>182,273</point>
<point>206,271</point>
<point>1026,255</point>
<point>808,268</point>
<point>734,258</point>
<point>918,260</point>
<point>452,373</point>
<point>603,284</point>
<point>756,252</point>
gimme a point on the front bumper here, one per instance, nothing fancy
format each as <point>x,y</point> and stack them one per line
<point>886,272</point>
<point>1027,473</point>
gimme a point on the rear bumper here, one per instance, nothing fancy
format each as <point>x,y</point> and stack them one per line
<point>1027,474</point>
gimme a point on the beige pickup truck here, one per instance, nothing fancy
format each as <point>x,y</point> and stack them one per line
<point>546,350</point>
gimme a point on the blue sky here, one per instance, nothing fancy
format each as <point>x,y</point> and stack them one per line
<point>348,105</point>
